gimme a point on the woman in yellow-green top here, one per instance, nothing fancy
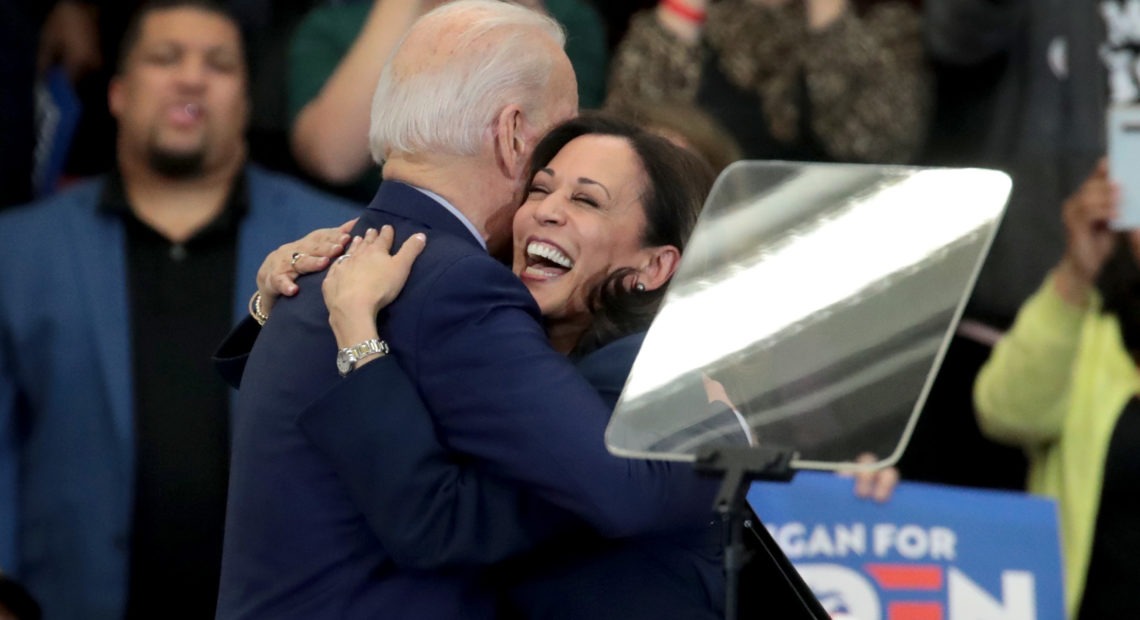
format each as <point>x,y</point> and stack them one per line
<point>1063,385</point>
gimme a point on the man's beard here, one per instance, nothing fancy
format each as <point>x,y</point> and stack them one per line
<point>176,165</point>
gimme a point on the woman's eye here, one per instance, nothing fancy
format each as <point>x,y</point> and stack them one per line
<point>537,189</point>
<point>584,199</point>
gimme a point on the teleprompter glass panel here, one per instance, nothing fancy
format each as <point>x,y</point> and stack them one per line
<point>818,299</point>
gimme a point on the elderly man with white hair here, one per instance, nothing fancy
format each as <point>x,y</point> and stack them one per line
<point>456,115</point>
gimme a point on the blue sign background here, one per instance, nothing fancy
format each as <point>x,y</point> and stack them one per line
<point>993,531</point>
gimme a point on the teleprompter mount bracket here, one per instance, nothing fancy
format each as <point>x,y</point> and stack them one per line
<point>785,594</point>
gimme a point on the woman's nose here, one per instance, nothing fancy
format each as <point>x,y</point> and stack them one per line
<point>550,210</point>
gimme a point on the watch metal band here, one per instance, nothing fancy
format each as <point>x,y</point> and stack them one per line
<point>367,348</point>
<point>348,357</point>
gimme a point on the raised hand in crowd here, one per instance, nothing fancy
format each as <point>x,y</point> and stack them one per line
<point>327,136</point>
<point>679,15</point>
<point>1089,239</point>
<point>823,13</point>
<point>809,80</point>
<point>1061,384</point>
<point>684,18</point>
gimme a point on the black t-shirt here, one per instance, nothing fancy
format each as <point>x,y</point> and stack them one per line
<point>1112,588</point>
<point>181,306</point>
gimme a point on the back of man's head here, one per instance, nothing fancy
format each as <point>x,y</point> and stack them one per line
<point>455,70</point>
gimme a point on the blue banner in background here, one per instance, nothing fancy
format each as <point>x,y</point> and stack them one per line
<point>930,553</point>
<point>57,116</point>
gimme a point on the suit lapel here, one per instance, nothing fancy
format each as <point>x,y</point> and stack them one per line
<point>101,261</point>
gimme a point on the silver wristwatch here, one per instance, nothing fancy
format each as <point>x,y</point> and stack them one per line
<point>347,358</point>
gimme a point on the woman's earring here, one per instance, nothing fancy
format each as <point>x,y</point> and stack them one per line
<point>639,287</point>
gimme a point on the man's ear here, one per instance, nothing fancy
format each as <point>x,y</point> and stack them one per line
<point>660,264</point>
<point>510,141</point>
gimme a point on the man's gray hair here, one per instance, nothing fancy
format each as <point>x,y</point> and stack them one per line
<point>448,105</point>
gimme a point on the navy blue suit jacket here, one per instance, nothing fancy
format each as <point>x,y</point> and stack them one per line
<point>299,544</point>
<point>67,434</point>
<point>387,459</point>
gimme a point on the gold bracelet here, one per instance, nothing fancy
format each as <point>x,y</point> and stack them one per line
<point>255,309</point>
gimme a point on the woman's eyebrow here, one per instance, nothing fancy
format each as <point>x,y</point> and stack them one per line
<point>589,181</point>
<point>583,180</point>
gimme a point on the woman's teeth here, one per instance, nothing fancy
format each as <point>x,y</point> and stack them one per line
<point>538,249</point>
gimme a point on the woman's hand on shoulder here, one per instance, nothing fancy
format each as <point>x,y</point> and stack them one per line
<point>366,279</point>
<point>278,273</point>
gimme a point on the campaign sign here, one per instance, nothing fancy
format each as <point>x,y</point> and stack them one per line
<point>930,553</point>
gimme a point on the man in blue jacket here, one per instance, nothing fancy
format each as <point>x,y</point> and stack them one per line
<point>457,112</point>
<point>114,428</point>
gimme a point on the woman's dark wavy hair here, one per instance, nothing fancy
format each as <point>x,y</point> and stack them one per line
<point>1119,286</point>
<point>677,183</point>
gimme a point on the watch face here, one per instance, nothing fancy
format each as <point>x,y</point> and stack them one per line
<point>343,363</point>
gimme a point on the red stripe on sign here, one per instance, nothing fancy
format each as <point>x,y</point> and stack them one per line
<point>914,611</point>
<point>907,576</point>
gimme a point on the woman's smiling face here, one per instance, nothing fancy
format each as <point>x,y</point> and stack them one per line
<point>583,218</point>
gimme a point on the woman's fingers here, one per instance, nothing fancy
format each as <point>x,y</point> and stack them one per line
<point>313,252</point>
<point>382,239</point>
<point>324,242</point>
<point>409,251</point>
<point>283,284</point>
<point>310,254</point>
<point>371,273</point>
<point>347,227</point>
<point>878,484</point>
<point>309,263</point>
<point>885,482</point>
<point>353,249</point>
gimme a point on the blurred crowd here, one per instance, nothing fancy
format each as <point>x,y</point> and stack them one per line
<point>1017,85</point>
<point>819,80</point>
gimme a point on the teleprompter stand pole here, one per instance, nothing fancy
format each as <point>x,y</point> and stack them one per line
<point>786,595</point>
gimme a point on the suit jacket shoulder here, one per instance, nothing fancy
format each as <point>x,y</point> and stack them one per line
<point>608,367</point>
<point>19,225</point>
<point>273,189</point>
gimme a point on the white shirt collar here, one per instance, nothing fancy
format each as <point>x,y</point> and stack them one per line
<point>459,215</point>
